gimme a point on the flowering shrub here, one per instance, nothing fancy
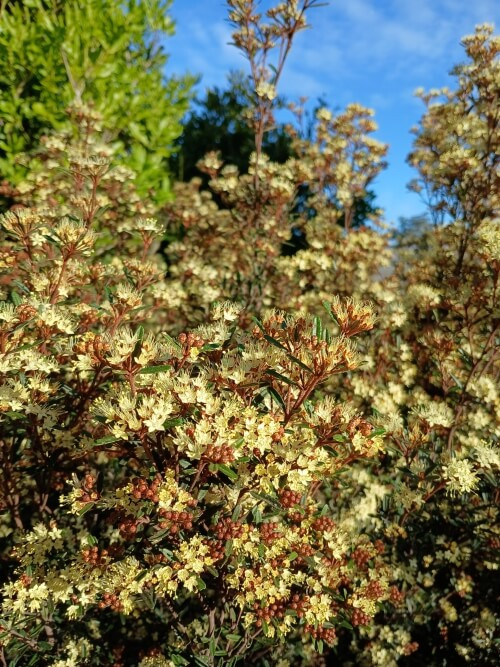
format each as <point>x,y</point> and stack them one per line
<point>209,460</point>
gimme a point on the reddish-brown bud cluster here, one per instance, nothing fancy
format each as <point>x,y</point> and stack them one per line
<point>361,557</point>
<point>93,556</point>
<point>299,604</point>
<point>141,490</point>
<point>219,454</point>
<point>93,346</point>
<point>88,492</point>
<point>112,601</point>
<point>359,425</point>
<point>226,529</point>
<point>128,527</point>
<point>275,610</point>
<point>410,648</point>
<point>374,590</point>
<point>396,596</point>
<point>175,521</point>
<point>289,498</point>
<point>154,559</point>
<point>323,524</point>
<point>328,635</point>
<point>269,532</point>
<point>216,549</point>
<point>25,580</point>
<point>276,437</point>
<point>359,618</point>
<point>190,340</point>
<point>25,312</point>
<point>304,551</point>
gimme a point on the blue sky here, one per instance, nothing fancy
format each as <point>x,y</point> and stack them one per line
<point>375,52</point>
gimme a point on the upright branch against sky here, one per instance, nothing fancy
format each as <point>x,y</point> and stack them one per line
<point>457,142</point>
<point>257,40</point>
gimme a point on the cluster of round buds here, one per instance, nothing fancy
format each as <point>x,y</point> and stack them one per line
<point>25,312</point>
<point>92,556</point>
<point>328,635</point>
<point>88,492</point>
<point>93,346</point>
<point>269,532</point>
<point>226,529</point>
<point>274,610</point>
<point>410,648</point>
<point>323,524</point>
<point>357,424</point>
<point>374,590</point>
<point>128,527</point>
<point>299,604</point>
<point>141,490</point>
<point>361,557</point>
<point>216,549</point>
<point>219,454</point>
<point>494,542</point>
<point>175,521</point>
<point>112,601</point>
<point>304,551</point>
<point>396,596</point>
<point>276,563</point>
<point>359,618</point>
<point>154,559</point>
<point>189,340</point>
<point>25,580</point>
<point>289,498</point>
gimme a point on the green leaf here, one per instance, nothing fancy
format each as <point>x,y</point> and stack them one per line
<point>317,327</point>
<point>327,306</point>
<point>300,363</point>
<point>272,391</point>
<point>175,421</point>
<point>16,299</point>
<point>292,556</point>
<point>275,342</point>
<point>107,440</point>
<point>201,584</point>
<point>280,377</point>
<point>227,471</point>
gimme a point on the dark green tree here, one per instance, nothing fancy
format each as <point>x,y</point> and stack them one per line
<point>218,122</point>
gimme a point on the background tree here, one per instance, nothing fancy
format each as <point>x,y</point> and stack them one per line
<point>218,121</point>
<point>104,52</point>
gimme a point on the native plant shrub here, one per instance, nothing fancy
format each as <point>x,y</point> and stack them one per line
<point>196,466</point>
<point>224,458</point>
